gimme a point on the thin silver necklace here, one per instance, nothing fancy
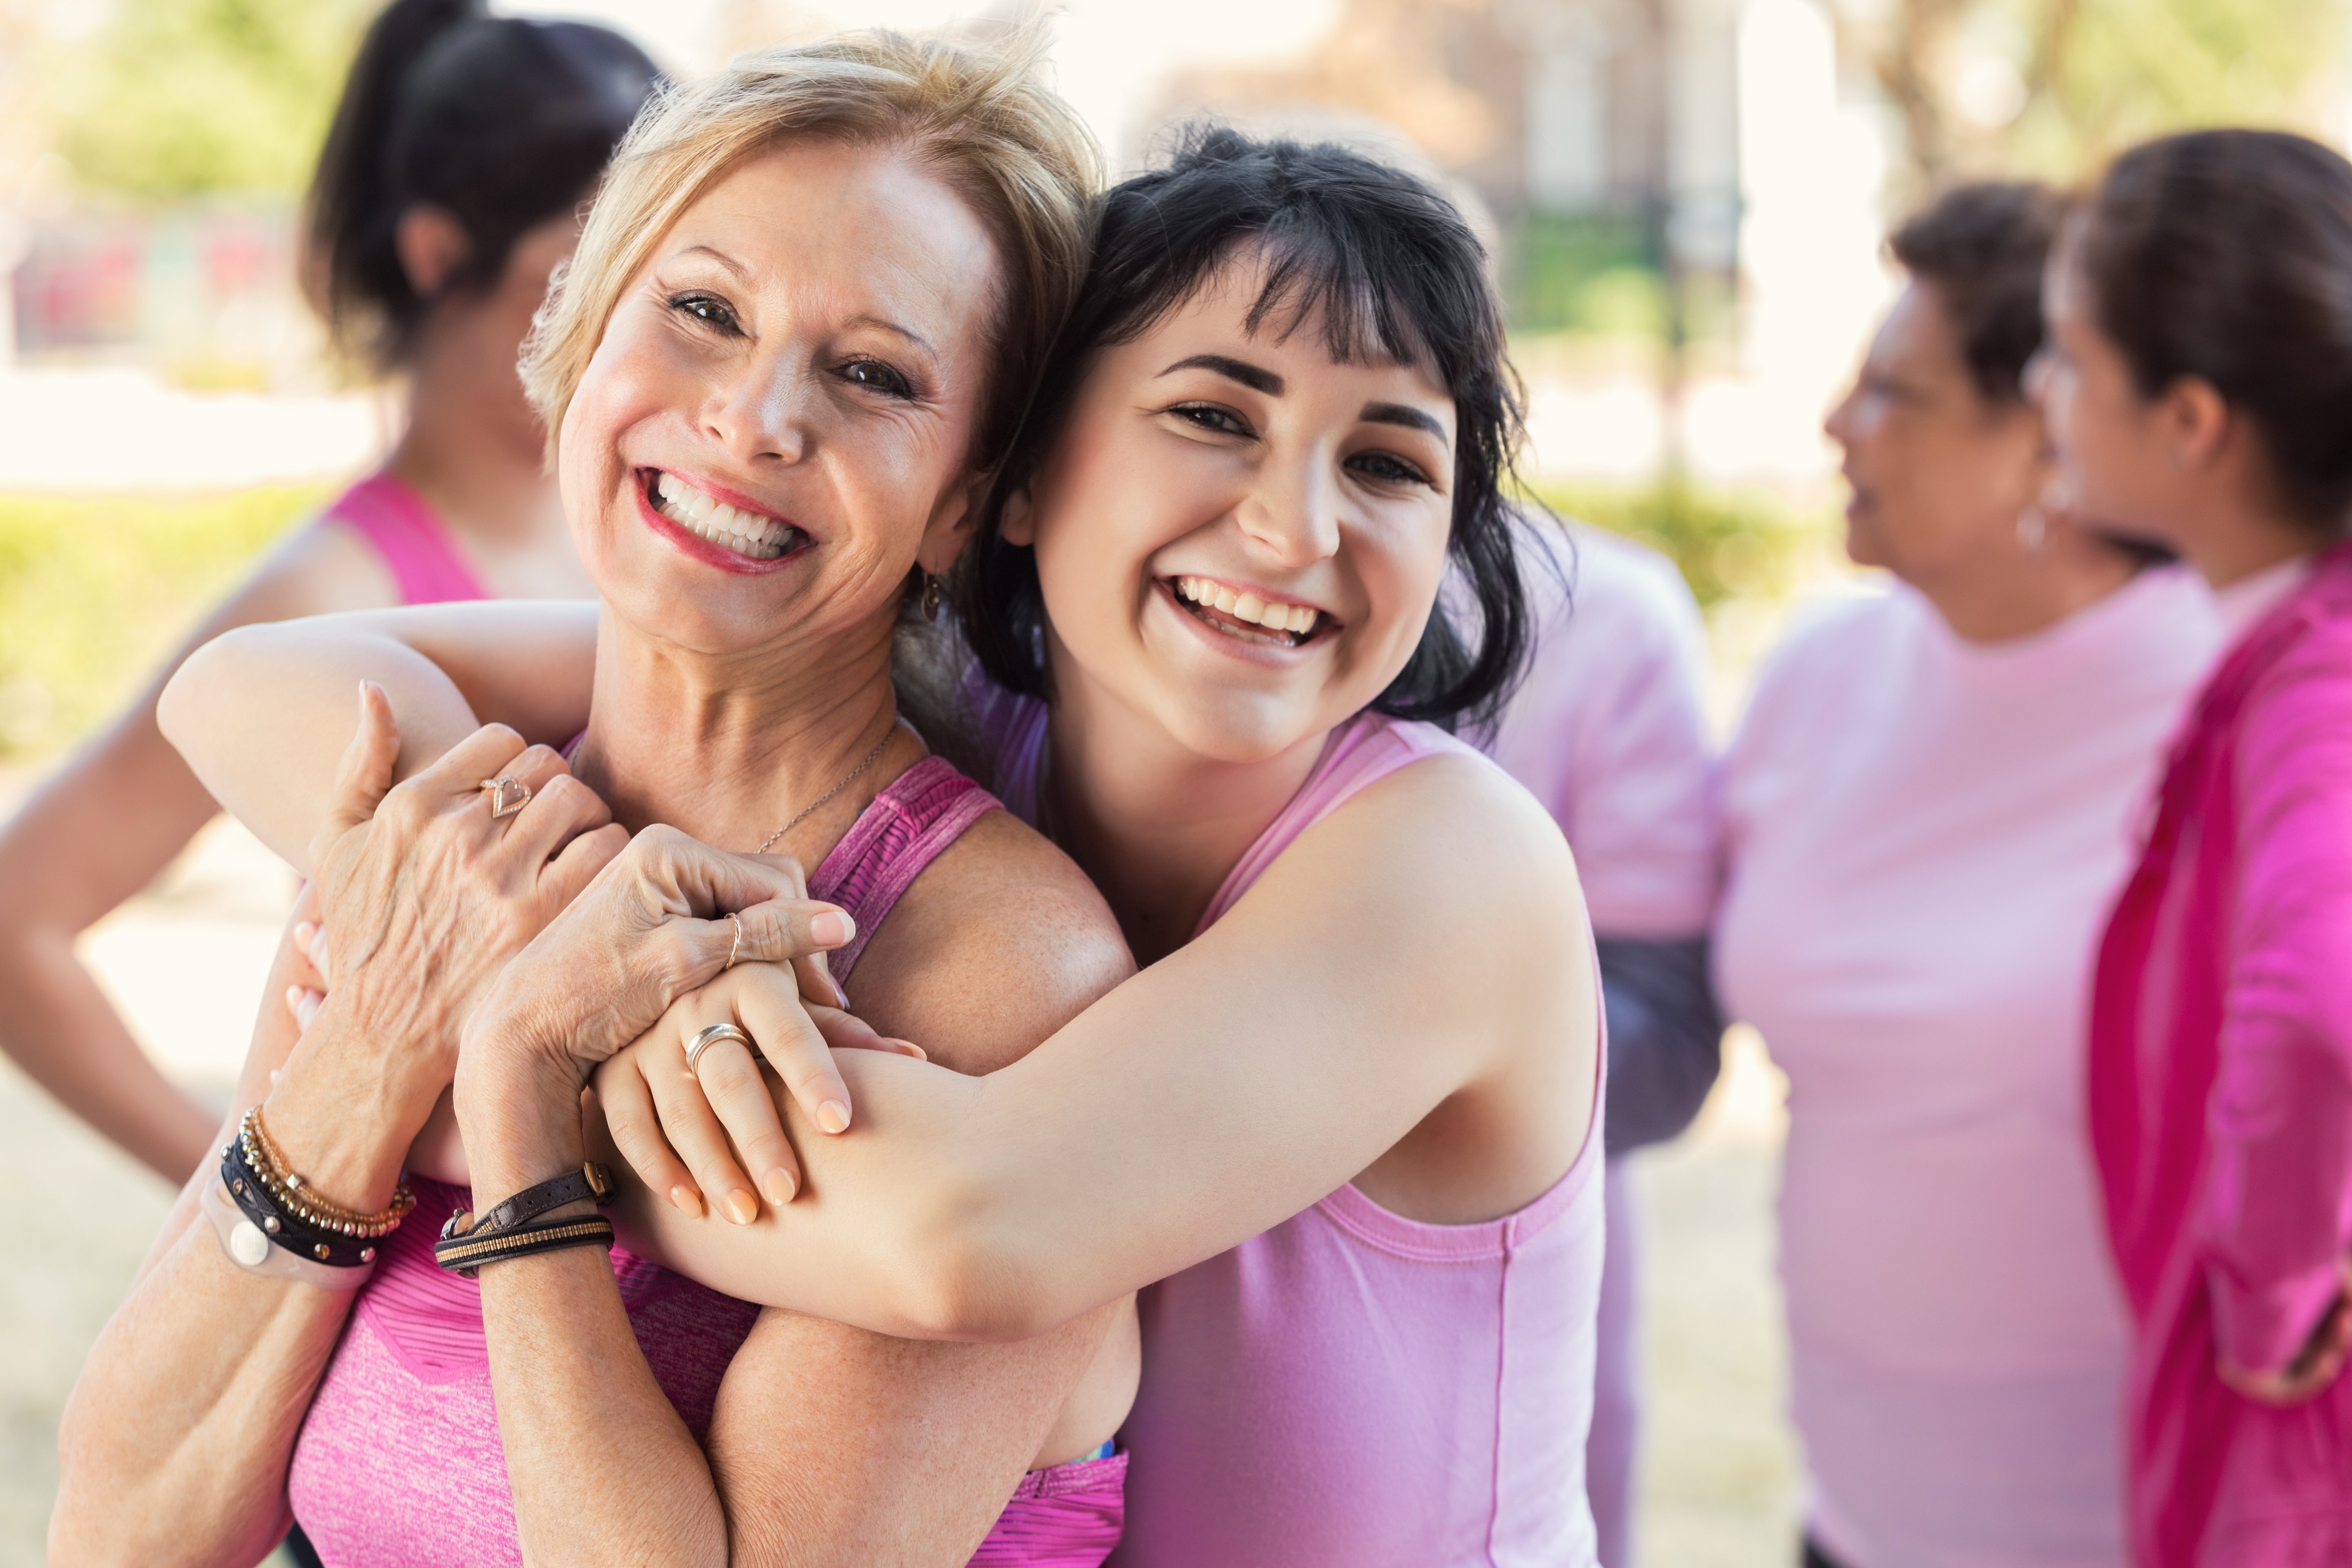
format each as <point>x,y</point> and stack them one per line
<point>845,783</point>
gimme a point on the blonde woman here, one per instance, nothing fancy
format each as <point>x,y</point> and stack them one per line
<point>769,435</point>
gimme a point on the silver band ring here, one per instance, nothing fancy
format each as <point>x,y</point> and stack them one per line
<point>737,945</point>
<point>507,796</point>
<point>708,1035</point>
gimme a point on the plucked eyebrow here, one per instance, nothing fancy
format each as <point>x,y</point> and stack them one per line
<point>736,270</point>
<point>733,267</point>
<point>892,327</point>
<point>1398,414</point>
<point>1248,374</point>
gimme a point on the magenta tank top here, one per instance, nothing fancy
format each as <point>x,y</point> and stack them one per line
<point>1353,1389</point>
<point>414,542</point>
<point>399,1463</point>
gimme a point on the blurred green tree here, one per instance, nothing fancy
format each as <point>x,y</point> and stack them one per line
<point>183,98</point>
<point>2054,88</point>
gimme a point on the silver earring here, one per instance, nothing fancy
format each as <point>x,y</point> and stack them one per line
<point>2033,530</point>
<point>931,594</point>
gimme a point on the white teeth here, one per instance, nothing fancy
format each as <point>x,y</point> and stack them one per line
<point>705,516</point>
<point>1294,619</point>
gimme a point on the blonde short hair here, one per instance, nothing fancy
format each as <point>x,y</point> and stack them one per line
<point>973,115</point>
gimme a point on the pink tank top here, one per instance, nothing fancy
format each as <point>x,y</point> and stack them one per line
<point>399,1463</point>
<point>414,542</point>
<point>1353,1388</point>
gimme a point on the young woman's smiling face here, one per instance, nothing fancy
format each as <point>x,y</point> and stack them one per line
<point>777,422</point>
<point>1236,536</point>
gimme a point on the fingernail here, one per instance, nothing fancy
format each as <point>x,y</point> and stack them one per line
<point>779,1186</point>
<point>304,933</point>
<point>909,1047</point>
<point>687,1198</point>
<point>742,1207</point>
<point>833,929</point>
<point>833,1116</point>
<point>294,1000</point>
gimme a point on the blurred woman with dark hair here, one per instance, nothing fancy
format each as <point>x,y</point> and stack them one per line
<point>449,188</point>
<point>1928,809</point>
<point>2199,387</point>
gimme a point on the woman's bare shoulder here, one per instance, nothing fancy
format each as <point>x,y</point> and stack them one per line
<point>999,942</point>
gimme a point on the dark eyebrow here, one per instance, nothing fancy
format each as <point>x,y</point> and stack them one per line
<point>1398,414</point>
<point>1248,374</point>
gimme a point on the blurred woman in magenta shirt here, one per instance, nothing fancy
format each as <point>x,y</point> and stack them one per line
<point>2198,385</point>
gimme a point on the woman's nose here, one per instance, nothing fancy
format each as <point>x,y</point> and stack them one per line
<point>762,414</point>
<point>1293,514</point>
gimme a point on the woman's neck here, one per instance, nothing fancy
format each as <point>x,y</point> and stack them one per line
<point>2011,592</point>
<point>471,455</point>
<point>1157,825</point>
<point>729,751</point>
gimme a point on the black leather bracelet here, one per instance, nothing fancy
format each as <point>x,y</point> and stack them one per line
<point>505,1231</point>
<point>465,1254</point>
<point>284,1229</point>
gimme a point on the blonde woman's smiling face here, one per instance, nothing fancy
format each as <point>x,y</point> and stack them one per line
<point>776,425</point>
<point>1236,534</point>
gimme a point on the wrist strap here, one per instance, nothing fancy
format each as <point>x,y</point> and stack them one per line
<point>465,1254</point>
<point>255,1253</point>
<point>505,1231</point>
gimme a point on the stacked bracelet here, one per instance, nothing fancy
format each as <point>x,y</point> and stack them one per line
<point>297,1199</point>
<point>508,1231</point>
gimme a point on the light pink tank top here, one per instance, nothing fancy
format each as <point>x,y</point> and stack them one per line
<point>414,543</point>
<point>399,1463</point>
<point>1352,1388</point>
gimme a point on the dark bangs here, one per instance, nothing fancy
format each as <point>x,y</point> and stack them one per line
<point>1388,269</point>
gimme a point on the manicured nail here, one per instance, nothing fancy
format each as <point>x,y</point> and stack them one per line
<point>742,1207</point>
<point>909,1047</point>
<point>294,1000</point>
<point>305,933</point>
<point>687,1198</point>
<point>833,1116</point>
<point>779,1186</point>
<point>832,928</point>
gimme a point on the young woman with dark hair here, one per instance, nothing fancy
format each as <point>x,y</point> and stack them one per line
<point>2198,385</point>
<point>1926,813</point>
<point>450,185</point>
<point>1346,1115</point>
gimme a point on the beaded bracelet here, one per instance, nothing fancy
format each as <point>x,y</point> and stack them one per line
<point>281,1226</point>
<point>505,1232</point>
<point>298,1199</point>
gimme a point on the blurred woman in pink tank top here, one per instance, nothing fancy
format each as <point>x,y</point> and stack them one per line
<point>2199,387</point>
<point>1346,1116</point>
<point>446,192</point>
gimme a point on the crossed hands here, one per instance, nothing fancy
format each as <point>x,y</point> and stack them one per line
<point>530,953</point>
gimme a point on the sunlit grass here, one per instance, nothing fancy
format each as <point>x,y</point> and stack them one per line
<point>94,589</point>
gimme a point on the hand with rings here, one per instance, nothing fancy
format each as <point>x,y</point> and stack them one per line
<point>689,1110</point>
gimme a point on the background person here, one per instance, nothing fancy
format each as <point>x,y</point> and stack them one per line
<point>2199,388</point>
<point>1609,730</point>
<point>1927,809</point>
<point>449,188</point>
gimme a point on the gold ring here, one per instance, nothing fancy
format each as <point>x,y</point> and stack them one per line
<point>737,945</point>
<point>507,796</point>
<point>708,1035</point>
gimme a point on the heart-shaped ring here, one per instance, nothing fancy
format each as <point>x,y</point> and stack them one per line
<point>507,796</point>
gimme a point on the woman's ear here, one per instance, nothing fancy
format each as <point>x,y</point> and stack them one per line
<point>1018,525</point>
<point>2193,419</point>
<point>953,522</point>
<point>432,245</point>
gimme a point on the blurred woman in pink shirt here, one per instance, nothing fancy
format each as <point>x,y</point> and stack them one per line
<point>2199,387</point>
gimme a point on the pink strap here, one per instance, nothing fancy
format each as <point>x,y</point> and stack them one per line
<point>915,817</point>
<point>414,543</point>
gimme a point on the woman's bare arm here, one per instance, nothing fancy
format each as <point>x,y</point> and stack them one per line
<point>831,1444</point>
<point>102,827</point>
<point>262,715</point>
<point>1297,1045</point>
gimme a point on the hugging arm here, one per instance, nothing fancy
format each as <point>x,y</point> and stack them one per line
<point>830,1443</point>
<point>1232,1084</point>
<point>261,714</point>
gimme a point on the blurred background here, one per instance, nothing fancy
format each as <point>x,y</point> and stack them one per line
<point>1686,198</point>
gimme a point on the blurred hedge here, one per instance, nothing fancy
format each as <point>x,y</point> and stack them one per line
<point>1730,543</point>
<point>95,589</point>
